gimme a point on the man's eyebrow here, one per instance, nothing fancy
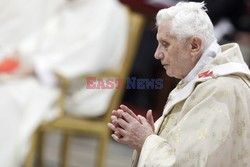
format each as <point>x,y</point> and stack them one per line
<point>163,40</point>
<point>159,38</point>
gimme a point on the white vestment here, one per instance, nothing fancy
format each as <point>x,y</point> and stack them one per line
<point>206,121</point>
<point>69,37</point>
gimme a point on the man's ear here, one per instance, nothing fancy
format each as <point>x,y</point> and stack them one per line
<point>196,43</point>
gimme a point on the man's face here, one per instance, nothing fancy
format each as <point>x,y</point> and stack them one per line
<point>175,55</point>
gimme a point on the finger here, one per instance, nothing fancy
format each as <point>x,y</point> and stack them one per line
<point>121,131</point>
<point>117,113</point>
<point>115,137</point>
<point>128,117</point>
<point>113,111</point>
<point>138,116</point>
<point>111,126</point>
<point>113,117</point>
<point>150,118</point>
<point>126,109</point>
<point>122,123</point>
<point>117,134</point>
<point>142,119</point>
<point>114,121</point>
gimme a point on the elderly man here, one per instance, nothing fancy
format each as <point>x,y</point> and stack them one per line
<point>206,121</point>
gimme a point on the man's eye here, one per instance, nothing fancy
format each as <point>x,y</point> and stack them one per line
<point>165,45</point>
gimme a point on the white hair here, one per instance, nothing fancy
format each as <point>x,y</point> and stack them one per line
<point>188,19</point>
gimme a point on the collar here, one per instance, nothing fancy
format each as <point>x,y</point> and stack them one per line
<point>210,53</point>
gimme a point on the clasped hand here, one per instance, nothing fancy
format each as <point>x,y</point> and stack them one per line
<point>131,129</point>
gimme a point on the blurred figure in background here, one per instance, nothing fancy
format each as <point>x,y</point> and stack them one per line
<point>40,38</point>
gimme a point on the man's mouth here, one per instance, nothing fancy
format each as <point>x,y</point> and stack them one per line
<point>164,65</point>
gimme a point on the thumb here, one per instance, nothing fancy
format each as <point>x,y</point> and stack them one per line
<point>150,119</point>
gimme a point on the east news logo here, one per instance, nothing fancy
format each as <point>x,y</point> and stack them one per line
<point>131,83</point>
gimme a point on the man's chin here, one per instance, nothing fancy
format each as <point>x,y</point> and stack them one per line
<point>169,74</point>
<point>172,75</point>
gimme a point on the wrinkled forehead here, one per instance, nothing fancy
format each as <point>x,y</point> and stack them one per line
<point>163,31</point>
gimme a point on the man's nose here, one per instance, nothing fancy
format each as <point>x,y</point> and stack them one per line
<point>158,54</point>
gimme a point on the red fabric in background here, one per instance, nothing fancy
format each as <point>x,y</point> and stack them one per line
<point>8,65</point>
